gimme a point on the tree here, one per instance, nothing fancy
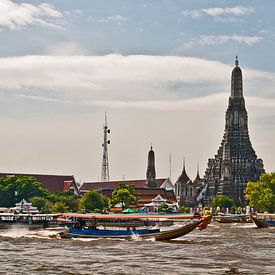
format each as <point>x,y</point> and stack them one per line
<point>42,204</point>
<point>14,189</point>
<point>93,200</point>
<point>123,195</point>
<point>70,200</point>
<point>222,202</point>
<point>261,195</point>
<point>59,207</point>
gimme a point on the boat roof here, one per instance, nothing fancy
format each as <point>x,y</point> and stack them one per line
<point>128,216</point>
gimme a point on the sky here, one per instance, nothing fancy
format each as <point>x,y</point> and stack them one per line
<point>160,69</point>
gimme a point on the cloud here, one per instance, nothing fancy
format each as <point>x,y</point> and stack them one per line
<point>122,78</point>
<point>205,40</point>
<point>117,19</point>
<point>66,49</point>
<point>226,14</point>
<point>199,104</point>
<point>16,16</point>
<point>107,72</point>
<point>236,11</point>
<point>192,13</point>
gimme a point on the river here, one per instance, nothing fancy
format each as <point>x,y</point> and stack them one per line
<point>220,249</point>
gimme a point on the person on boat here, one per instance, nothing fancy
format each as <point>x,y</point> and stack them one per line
<point>79,224</point>
<point>93,223</point>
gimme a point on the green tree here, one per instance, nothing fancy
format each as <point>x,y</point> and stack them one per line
<point>70,200</point>
<point>261,195</point>
<point>123,195</point>
<point>222,202</point>
<point>14,189</point>
<point>42,204</point>
<point>59,207</point>
<point>93,200</point>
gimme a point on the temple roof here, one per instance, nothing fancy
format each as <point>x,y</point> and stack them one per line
<point>141,190</point>
<point>115,184</point>
<point>53,183</point>
<point>197,179</point>
<point>183,178</point>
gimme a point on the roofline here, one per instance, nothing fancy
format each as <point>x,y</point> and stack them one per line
<point>94,182</point>
<point>34,174</point>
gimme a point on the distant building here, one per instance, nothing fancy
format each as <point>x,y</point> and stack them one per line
<point>145,190</point>
<point>53,183</point>
<point>186,190</point>
<point>236,162</point>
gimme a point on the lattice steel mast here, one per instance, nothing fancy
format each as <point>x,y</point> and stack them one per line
<point>105,176</point>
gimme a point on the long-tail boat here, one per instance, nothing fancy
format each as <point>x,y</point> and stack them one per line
<point>263,220</point>
<point>232,218</point>
<point>85,226</point>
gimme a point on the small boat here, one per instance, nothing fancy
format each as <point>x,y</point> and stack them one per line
<point>263,220</point>
<point>82,229</point>
<point>232,218</point>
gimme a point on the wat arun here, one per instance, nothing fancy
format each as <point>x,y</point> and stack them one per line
<point>236,162</point>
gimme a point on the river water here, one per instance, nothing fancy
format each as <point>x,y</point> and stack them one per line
<point>220,249</point>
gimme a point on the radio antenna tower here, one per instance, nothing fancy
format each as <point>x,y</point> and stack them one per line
<point>105,176</point>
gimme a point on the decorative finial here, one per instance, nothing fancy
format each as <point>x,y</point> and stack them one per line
<point>151,146</point>
<point>237,61</point>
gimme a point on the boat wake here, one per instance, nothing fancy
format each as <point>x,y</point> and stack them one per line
<point>25,233</point>
<point>15,232</point>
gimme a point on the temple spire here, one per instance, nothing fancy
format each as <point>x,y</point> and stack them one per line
<point>236,81</point>
<point>151,171</point>
<point>198,170</point>
<point>237,61</point>
<point>235,163</point>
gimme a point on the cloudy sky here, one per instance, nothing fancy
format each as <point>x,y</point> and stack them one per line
<point>160,68</point>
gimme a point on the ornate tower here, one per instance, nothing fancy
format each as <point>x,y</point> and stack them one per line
<point>105,176</point>
<point>236,162</point>
<point>151,171</point>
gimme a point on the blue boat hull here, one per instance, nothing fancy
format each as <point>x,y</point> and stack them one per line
<point>101,233</point>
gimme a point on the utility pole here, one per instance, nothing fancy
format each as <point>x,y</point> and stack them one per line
<point>105,176</point>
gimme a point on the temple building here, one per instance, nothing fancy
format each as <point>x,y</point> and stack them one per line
<point>187,190</point>
<point>146,190</point>
<point>53,183</point>
<point>236,162</point>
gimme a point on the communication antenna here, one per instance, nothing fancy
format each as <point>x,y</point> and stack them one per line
<point>105,175</point>
<point>170,166</point>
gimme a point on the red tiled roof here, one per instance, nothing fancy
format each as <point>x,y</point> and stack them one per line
<point>115,184</point>
<point>146,195</point>
<point>53,183</point>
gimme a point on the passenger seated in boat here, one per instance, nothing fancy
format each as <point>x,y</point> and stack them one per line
<point>93,223</point>
<point>79,224</point>
<point>76,225</point>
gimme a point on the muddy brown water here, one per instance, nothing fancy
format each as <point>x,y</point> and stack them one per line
<point>220,249</point>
